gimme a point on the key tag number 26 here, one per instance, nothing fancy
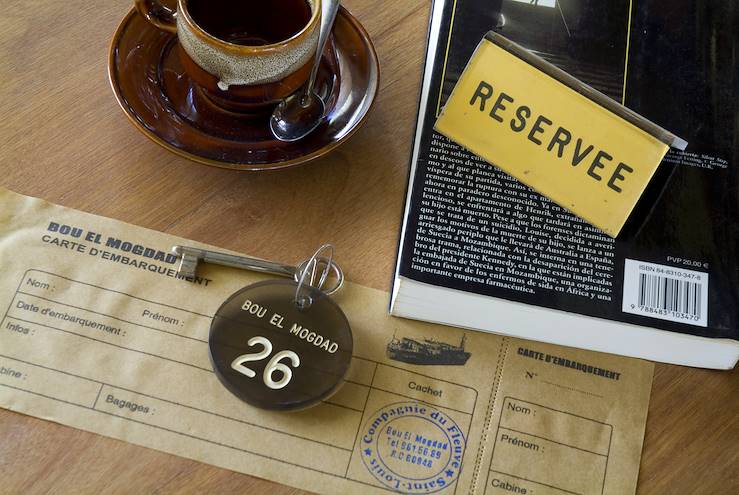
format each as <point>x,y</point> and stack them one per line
<point>284,344</point>
<point>273,365</point>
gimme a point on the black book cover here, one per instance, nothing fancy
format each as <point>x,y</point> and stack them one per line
<point>674,267</point>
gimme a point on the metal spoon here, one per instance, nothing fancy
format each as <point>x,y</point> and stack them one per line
<point>300,113</point>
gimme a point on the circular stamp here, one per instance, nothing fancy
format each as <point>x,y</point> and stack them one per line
<point>411,447</point>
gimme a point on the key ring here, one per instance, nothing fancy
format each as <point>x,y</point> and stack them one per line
<point>311,266</point>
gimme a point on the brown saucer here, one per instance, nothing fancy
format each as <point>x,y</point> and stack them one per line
<point>162,102</point>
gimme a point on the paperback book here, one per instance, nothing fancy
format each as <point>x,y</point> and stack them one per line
<point>481,250</point>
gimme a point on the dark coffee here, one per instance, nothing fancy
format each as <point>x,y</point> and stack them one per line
<point>250,22</point>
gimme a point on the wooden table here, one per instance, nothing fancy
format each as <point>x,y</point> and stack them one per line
<point>63,138</point>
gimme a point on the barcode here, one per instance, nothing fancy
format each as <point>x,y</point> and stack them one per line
<point>670,294</point>
<point>665,292</point>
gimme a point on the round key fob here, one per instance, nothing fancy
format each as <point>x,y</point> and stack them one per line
<point>275,353</point>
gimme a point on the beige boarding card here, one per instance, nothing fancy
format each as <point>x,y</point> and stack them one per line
<point>99,333</point>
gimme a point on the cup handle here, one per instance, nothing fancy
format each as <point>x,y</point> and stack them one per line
<point>162,17</point>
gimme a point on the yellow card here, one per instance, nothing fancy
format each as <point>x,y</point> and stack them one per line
<point>584,157</point>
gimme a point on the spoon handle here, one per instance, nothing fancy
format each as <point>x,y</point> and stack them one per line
<point>328,15</point>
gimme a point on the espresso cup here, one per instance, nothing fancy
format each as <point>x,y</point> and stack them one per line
<point>246,55</point>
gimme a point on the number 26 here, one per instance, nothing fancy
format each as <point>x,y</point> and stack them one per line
<point>273,365</point>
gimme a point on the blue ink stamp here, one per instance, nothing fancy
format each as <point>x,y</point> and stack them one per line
<point>412,447</point>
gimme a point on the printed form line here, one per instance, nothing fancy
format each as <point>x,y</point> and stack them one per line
<point>111,316</point>
<point>537,482</point>
<point>550,440</point>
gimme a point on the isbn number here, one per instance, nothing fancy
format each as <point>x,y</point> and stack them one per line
<point>665,292</point>
<point>273,365</point>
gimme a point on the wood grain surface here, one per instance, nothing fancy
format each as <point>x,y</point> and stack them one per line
<point>64,139</point>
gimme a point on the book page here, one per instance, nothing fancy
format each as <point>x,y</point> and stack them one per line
<point>99,333</point>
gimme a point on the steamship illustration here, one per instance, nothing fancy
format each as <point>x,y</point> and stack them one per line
<point>427,351</point>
